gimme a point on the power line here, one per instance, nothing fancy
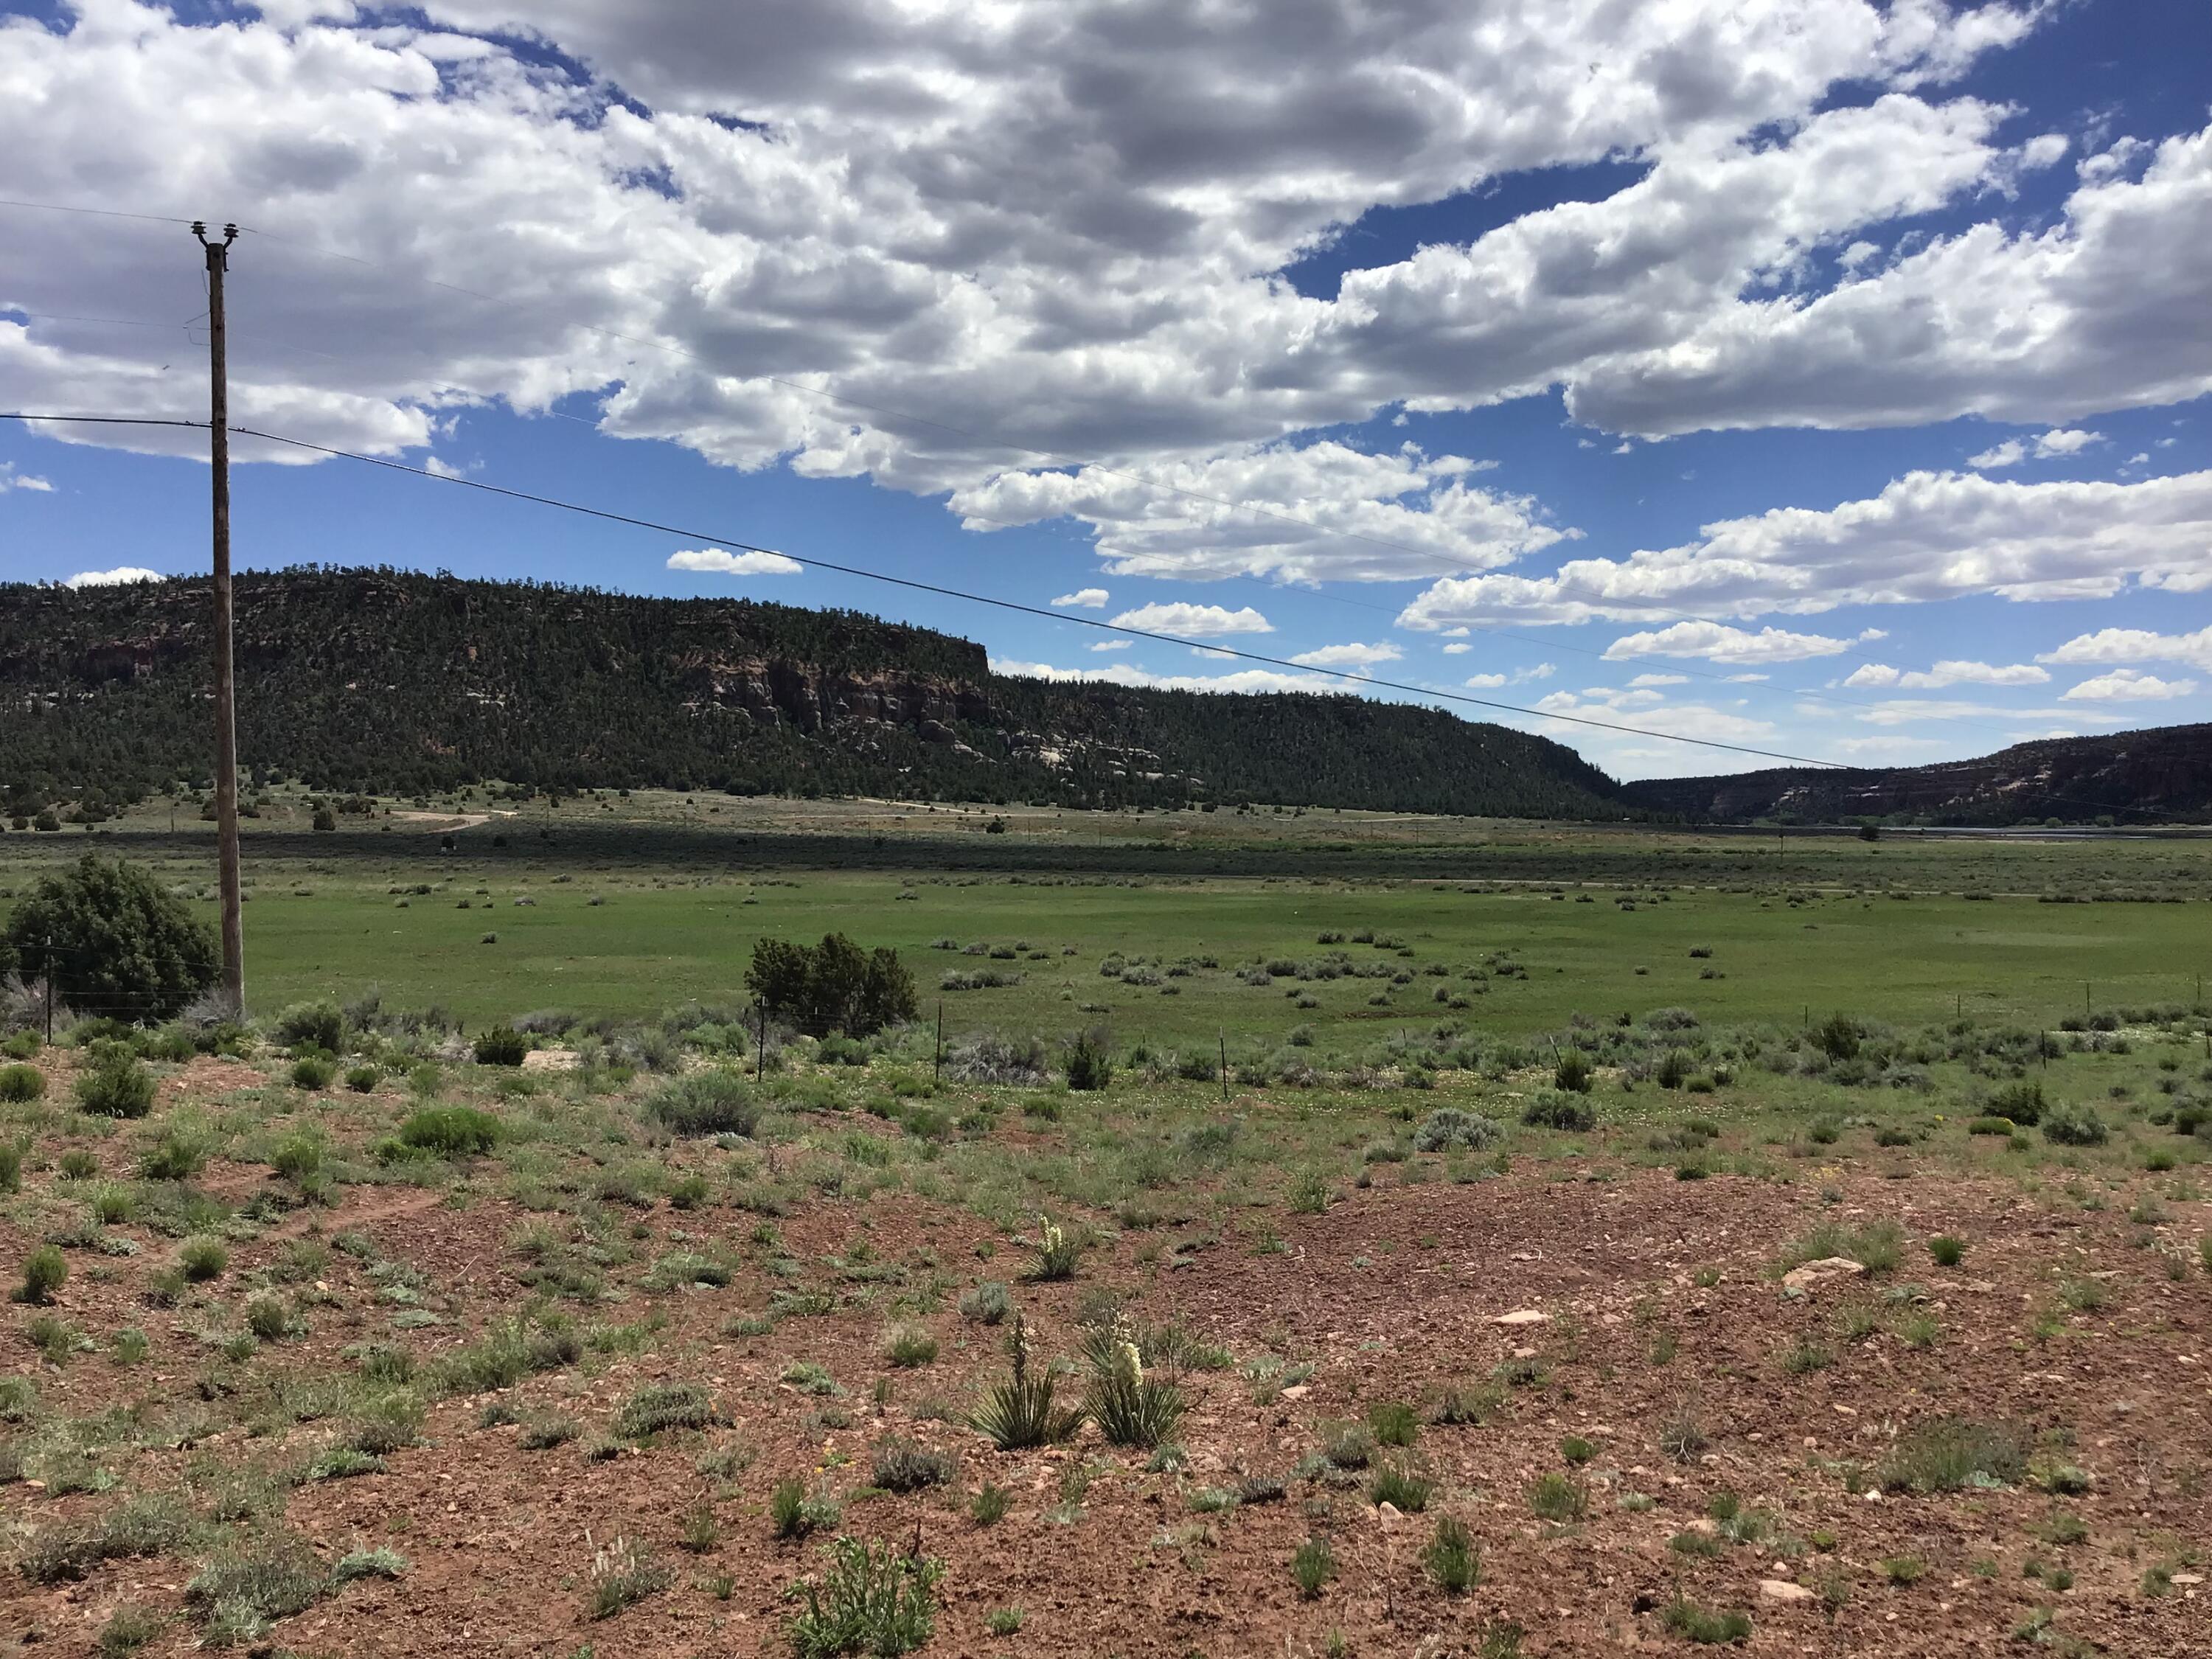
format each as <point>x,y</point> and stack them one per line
<point>1011,604</point>
<point>1443,565</point>
<point>914,585</point>
<point>96,213</point>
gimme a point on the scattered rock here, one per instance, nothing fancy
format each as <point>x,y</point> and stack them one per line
<point>1781,1589</point>
<point>1803,1281</point>
<point>1523,1316</point>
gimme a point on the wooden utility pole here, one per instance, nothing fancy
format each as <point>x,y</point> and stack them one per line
<point>226,685</point>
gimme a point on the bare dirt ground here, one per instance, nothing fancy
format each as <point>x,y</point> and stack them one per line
<point>1656,1305</point>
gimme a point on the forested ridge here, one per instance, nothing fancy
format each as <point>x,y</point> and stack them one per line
<point>392,682</point>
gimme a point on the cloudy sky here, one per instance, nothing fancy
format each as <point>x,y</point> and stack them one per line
<point>1826,376</point>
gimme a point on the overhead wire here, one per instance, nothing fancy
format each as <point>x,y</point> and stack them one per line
<point>915,585</point>
<point>941,590</point>
<point>1444,565</point>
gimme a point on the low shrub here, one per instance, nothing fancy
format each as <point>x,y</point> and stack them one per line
<point>1447,1127</point>
<point>203,1259</point>
<point>21,1085</point>
<point>2020,1102</point>
<point>1452,1558</point>
<point>501,1045</point>
<point>1551,1109</point>
<point>903,1465</point>
<point>44,1271</point>
<point>1573,1073</point>
<point>2074,1126</point>
<point>1090,1062</point>
<point>312,1026</point>
<point>1312,1565</point>
<point>313,1072</point>
<point>879,1600</point>
<point>709,1103</point>
<point>175,1157</point>
<point>657,1407</point>
<point>115,1086</point>
<point>449,1131</point>
<point>1950,1454</point>
<point>988,1304</point>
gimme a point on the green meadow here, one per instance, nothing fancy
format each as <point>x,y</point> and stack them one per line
<point>1353,927</point>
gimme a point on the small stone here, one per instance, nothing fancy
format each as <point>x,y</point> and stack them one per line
<point>1388,1514</point>
<point>1297,1391</point>
<point>1781,1589</point>
<point>1522,1316</point>
<point>1803,1281</point>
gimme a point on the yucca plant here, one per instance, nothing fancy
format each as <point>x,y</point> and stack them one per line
<point>1130,1408</point>
<point>1021,1412</point>
<point>1057,1253</point>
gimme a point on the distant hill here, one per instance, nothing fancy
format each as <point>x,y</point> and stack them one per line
<point>2136,777</point>
<point>390,682</point>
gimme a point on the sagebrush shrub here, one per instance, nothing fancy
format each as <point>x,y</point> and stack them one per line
<point>116,1086</point>
<point>717,1101</point>
<point>450,1131</point>
<point>44,1272</point>
<point>1448,1127</point>
<point>2074,1126</point>
<point>21,1085</point>
<point>1551,1109</point>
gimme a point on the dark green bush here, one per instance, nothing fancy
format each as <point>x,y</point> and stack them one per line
<point>1551,1109</point>
<point>833,985</point>
<point>1090,1062</point>
<point>113,939</point>
<point>1573,1072</point>
<point>313,1072</point>
<point>318,1025</point>
<point>20,1084</point>
<point>501,1045</point>
<point>2018,1102</point>
<point>43,1270</point>
<point>203,1259</point>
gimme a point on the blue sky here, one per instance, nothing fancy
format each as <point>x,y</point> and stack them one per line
<point>1869,327</point>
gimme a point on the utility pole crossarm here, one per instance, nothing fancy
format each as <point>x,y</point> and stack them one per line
<point>225,686</point>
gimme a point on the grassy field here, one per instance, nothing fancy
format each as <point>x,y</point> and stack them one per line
<point>634,906</point>
<point>1504,1326</point>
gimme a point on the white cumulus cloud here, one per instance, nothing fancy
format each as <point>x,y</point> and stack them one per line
<point>2050,446</point>
<point>1202,621</point>
<point>724,563</point>
<point>115,577</point>
<point>1349,656</point>
<point>2134,645</point>
<point>1084,598</point>
<point>1718,642</point>
<point>1952,672</point>
<point>2128,685</point>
